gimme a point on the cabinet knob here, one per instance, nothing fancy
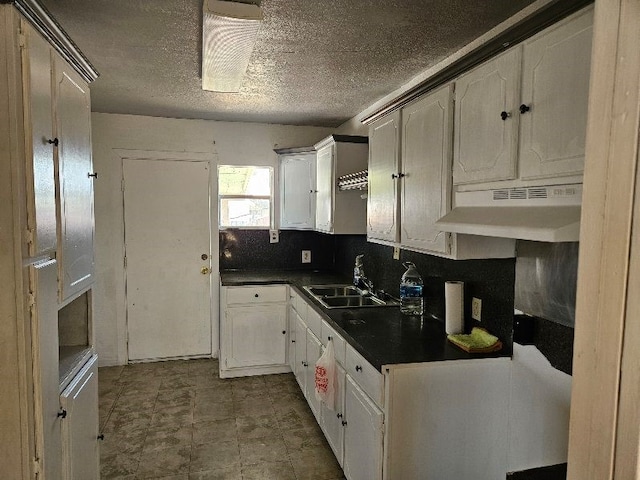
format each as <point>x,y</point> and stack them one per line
<point>329,338</point>
<point>293,341</point>
<point>256,295</point>
<point>505,115</point>
<point>358,368</point>
<point>339,415</point>
<point>397,175</point>
<point>284,332</point>
<point>344,423</point>
<point>53,141</point>
<point>524,108</point>
<point>92,175</point>
<point>62,413</point>
<point>101,436</point>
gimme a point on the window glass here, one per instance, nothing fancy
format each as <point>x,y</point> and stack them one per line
<point>245,196</point>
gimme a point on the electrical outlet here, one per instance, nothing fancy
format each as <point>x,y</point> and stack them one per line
<point>396,253</point>
<point>306,256</point>
<point>476,309</point>
<point>274,236</point>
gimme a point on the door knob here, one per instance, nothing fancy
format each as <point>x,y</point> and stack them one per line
<point>205,270</point>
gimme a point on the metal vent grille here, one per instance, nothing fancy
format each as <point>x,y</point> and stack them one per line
<point>518,194</point>
<point>501,194</point>
<point>538,192</point>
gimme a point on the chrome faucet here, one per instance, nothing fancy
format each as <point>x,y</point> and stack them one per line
<point>360,280</point>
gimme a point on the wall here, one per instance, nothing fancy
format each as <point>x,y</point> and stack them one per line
<point>250,249</point>
<point>232,143</point>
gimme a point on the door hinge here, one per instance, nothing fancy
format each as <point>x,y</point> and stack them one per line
<point>125,262</point>
<point>22,40</point>
<point>29,236</point>
<point>31,300</point>
<point>122,185</point>
<point>37,466</point>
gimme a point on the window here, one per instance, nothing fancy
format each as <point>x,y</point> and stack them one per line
<point>245,196</point>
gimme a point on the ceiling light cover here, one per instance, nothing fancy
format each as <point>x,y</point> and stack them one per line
<point>229,32</point>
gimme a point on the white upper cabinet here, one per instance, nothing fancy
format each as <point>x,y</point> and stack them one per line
<point>384,166</point>
<point>426,167</point>
<point>338,211</point>
<point>41,198</point>
<point>486,121</point>
<point>325,189</point>
<point>523,115</point>
<point>297,190</point>
<point>555,93</point>
<point>73,131</point>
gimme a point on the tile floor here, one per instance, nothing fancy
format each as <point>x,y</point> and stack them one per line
<point>179,421</point>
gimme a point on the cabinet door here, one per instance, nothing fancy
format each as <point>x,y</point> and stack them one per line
<point>314,350</point>
<point>255,336</point>
<point>426,165</point>
<point>485,145</point>
<point>363,436</point>
<point>332,419</point>
<point>555,86</point>
<point>325,188</point>
<point>43,278</point>
<point>382,198</point>
<point>297,191</point>
<point>41,204</point>
<point>73,130</point>
<point>291,346</point>
<point>80,426</point>
<point>301,354</point>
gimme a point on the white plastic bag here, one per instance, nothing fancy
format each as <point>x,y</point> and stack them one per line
<point>325,377</point>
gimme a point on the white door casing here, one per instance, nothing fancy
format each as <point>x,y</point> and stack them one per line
<point>167,233</point>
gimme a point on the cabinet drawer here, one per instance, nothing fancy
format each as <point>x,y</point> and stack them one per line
<point>327,332</point>
<point>314,322</point>
<point>256,294</point>
<point>368,378</point>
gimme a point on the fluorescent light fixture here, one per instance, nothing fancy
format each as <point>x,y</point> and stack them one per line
<point>229,31</point>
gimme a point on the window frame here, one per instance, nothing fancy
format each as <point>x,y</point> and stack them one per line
<point>271,198</point>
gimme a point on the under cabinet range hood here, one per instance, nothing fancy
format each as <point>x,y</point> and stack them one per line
<point>544,214</point>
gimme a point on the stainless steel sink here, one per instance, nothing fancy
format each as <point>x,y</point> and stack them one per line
<point>332,290</point>
<point>346,296</point>
<point>351,302</point>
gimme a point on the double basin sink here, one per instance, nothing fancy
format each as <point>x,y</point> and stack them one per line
<point>347,296</point>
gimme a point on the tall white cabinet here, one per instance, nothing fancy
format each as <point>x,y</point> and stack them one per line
<point>76,176</point>
<point>46,227</point>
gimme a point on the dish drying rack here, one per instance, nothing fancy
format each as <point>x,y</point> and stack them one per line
<point>353,181</point>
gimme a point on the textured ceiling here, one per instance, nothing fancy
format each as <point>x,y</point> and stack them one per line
<point>316,62</point>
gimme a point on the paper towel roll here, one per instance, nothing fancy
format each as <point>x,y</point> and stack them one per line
<point>454,307</point>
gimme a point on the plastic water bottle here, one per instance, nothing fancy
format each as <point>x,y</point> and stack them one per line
<point>411,302</point>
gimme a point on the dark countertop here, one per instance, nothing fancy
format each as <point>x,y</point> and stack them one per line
<point>382,335</point>
<point>553,472</point>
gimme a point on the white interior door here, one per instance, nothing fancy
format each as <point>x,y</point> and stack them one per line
<point>168,258</point>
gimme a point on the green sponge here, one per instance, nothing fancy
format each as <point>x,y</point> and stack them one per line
<point>479,340</point>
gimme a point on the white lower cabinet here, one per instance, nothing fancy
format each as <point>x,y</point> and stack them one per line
<point>363,437</point>
<point>431,420</point>
<point>314,350</point>
<point>253,330</point>
<point>332,421</point>
<point>79,403</point>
